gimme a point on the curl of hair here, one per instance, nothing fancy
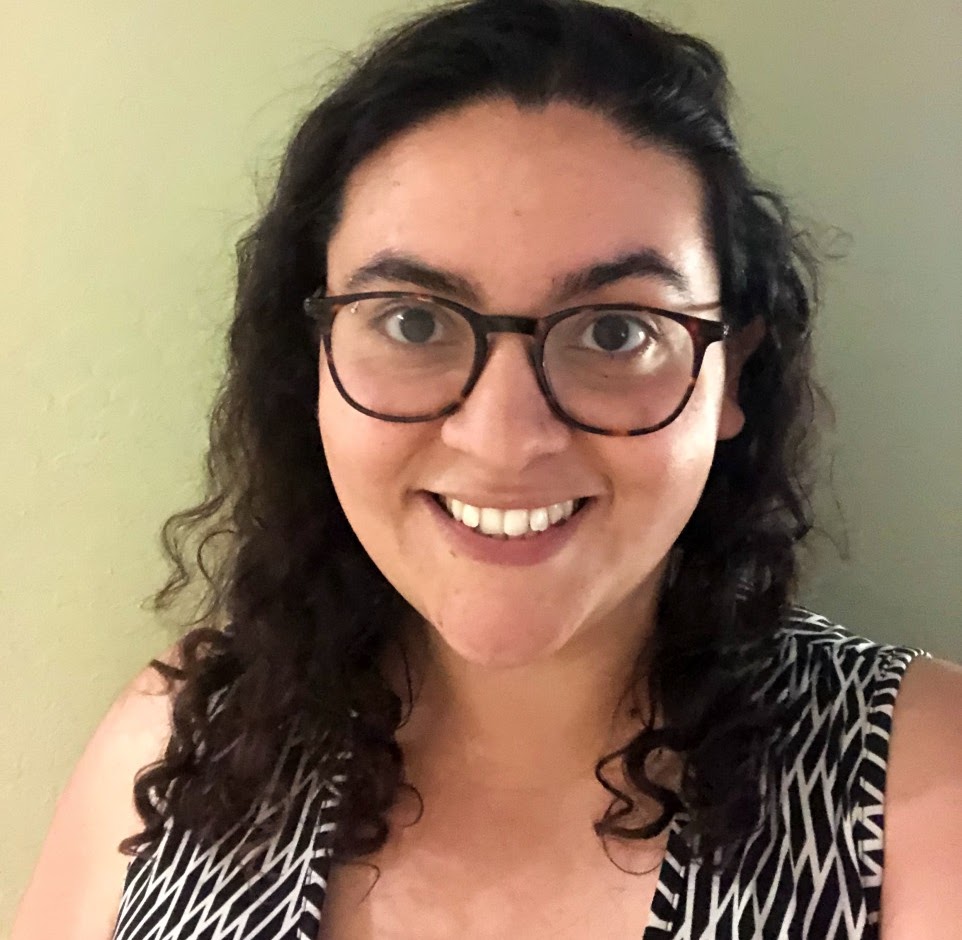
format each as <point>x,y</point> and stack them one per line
<point>308,615</point>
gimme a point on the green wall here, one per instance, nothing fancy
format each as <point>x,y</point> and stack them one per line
<point>136,140</point>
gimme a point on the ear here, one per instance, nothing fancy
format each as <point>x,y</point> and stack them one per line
<point>738,350</point>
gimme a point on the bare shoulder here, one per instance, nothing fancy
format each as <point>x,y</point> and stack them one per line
<point>78,880</point>
<point>921,890</point>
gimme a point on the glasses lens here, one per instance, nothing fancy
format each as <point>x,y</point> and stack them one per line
<point>619,369</point>
<point>402,357</point>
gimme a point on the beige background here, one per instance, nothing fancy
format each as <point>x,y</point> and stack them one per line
<point>136,139</point>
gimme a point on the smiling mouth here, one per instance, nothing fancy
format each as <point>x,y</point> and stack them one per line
<point>509,524</point>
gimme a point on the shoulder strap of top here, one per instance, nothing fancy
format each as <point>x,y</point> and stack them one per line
<point>887,671</point>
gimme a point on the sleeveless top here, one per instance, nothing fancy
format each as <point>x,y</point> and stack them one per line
<point>813,870</point>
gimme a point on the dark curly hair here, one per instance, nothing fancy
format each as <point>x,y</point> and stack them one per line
<point>295,617</point>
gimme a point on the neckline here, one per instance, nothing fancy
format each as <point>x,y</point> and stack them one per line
<point>661,922</point>
<point>663,914</point>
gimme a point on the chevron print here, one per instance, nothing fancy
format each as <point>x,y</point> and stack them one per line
<point>813,871</point>
<point>185,890</point>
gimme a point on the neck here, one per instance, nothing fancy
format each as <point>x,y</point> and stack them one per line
<point>532,727</point>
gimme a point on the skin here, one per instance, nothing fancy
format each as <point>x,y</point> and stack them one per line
<point>428,195</point>
<point>518,670</point>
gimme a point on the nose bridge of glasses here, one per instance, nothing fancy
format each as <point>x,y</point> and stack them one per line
<point>489,325</point>
<point>526,326</point>
<point>504,382</point>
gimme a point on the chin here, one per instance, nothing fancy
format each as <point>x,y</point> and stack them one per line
<point>505,658</point>
<point>492,647</point>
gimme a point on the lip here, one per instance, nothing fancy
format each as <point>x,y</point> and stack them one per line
<point>510,502</point>
<point>508,552</point>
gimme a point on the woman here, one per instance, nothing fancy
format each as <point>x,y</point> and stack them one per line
<point>506,492</point>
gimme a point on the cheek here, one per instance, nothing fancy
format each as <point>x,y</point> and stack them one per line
<point>369,461</point>
<point>662,484</point>
<point>659,478</point>
<point>355,453</point>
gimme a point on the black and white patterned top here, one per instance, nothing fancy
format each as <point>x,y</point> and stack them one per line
<point>813,872</point>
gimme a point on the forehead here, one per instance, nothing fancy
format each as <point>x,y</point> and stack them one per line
<point>510,198</point>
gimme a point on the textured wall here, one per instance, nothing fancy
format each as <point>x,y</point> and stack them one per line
<point>133,138</point>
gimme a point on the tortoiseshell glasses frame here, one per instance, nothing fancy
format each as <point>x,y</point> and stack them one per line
<point>323,310</point>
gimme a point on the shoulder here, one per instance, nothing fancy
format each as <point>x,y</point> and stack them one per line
<point>834,695</point>
<point>921,891</point>
<point>838,691</point>
<point>890,721</point>
<point>829,676</point>
<point>816,642</point>
<point>77,882</point>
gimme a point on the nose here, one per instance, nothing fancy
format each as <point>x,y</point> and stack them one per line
<point>506,423</point>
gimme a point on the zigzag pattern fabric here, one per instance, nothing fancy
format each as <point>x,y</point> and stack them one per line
<point>221,892</point>
<point>813,871</point>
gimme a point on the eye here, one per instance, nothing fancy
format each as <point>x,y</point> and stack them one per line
<point>615,332</point>
<point>413,324</point>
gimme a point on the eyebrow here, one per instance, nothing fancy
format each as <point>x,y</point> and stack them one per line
<point>391,265</point>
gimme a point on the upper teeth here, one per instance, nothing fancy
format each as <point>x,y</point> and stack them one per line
<point>509,522</point>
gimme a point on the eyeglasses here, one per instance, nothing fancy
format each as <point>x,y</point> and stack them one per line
<point>616,369</point>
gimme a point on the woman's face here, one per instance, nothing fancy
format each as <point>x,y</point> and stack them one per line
<point>507,203</point>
